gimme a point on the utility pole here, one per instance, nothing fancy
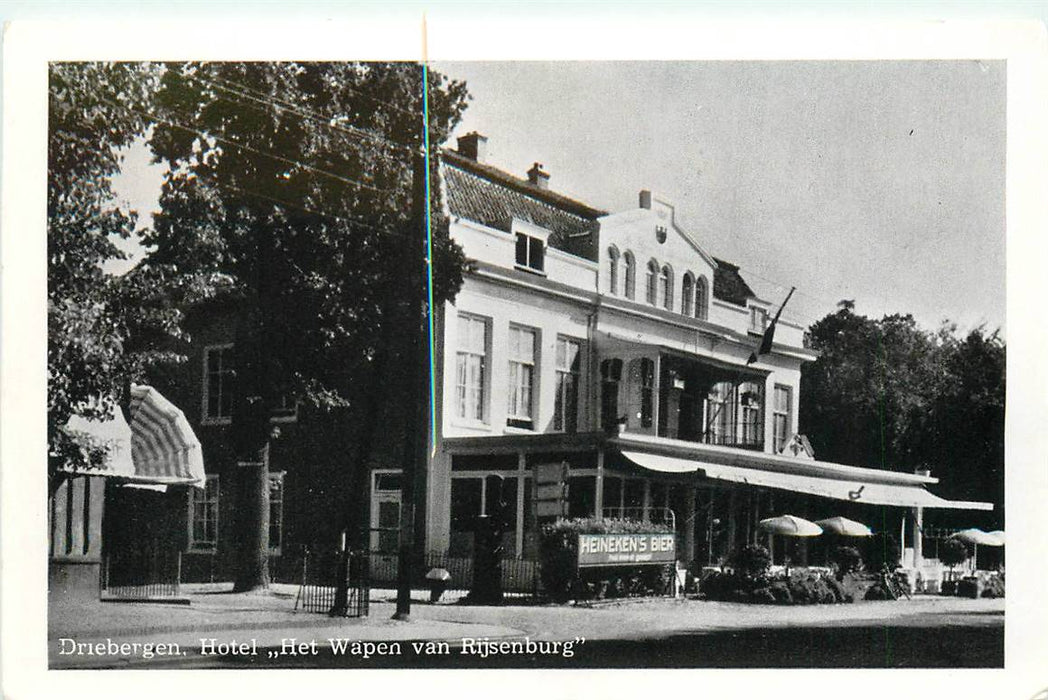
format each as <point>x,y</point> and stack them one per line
<point>416,450</point>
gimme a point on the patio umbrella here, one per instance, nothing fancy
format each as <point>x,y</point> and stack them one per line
<point>976,537</point>
<point>789,525</point>
<point>997,534</point>
<point>843,526</point>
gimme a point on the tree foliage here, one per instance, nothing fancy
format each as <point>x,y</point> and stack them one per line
<point>890,394</point>
<point>294,181</point>
<point>103,330</point>
<point>299,184</point>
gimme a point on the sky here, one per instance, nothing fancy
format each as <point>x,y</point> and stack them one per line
<point>881,182</point>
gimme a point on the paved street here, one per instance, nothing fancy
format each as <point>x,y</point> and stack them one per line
<point>263,631</point>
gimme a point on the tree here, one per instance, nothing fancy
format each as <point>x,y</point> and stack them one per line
<point>103,330</point>
<point>890,394</point>
<point>294,181</point>
<point>952,552</point>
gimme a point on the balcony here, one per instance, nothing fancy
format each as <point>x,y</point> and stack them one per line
<point>655,392</point>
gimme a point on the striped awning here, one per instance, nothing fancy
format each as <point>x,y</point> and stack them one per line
<point>158,447</point>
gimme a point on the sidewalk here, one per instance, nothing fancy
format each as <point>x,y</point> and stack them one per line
<point>269,620</point>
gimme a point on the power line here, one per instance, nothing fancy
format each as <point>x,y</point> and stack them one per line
<point>372,98</point>
<point>305,114</point>
<point>338,217</point>
<point>223,139</point>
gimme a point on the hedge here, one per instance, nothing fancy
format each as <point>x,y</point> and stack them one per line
<point>558,552</point>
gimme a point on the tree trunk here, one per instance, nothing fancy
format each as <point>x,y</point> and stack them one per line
<point>253,514</point>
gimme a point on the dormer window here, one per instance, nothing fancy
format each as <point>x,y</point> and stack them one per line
<point>531,246</point>
<point>531,252</point>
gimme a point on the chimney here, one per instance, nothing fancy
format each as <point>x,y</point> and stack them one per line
<point>538,177</point>
<point>473,146</point>
<point>922,471</point>
<point>645,199</point>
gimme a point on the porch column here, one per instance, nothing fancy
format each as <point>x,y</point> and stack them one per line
<point>918,537</point>
<point>689,524</point>
<point>518,536</point>
<point>598,488</point>
<point>902,538</point>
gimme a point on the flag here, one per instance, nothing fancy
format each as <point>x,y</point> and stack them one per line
<point>769,333</point>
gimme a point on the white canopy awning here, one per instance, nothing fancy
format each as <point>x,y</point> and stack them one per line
<point>850,488</point>
<point>158,447</point>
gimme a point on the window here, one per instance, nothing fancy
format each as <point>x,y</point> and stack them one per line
<point>203,515</point>
<point>666,280</point>
<point>471,367</point>
<point>701,298</point>
<point>781,416</point>
<point>613,270</point>
<point>653,283</point>
<point>758,319</point>
<point>610,376</point>
<point>569,361</point>
<point>218,383</point>
<point>647,391</point>
<point>531,252</point>
<point>276,511</point>
<point>751,401</point>
<point>686,291</point>
<point>519,410</point>
<point>630,275</point>
<point>719,414</point>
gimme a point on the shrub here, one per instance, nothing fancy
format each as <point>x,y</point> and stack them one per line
<point>969,587</point>
<point>752,562</point>
<point>558,554</point>
<point>845,560</point>
<point>883,551</point>
<point>878,592</point>
<point>948,588</point>
<point>781,593</point>
<point>994,587</point>
<point>836,589</point>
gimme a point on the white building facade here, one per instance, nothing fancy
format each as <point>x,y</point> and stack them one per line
<point>616,346</point>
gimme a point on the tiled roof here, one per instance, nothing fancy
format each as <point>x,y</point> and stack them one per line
<point>492,197</point>
<point>728,284</point>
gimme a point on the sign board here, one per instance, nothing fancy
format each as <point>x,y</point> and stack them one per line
<point>636,548</point>
<point>551,490</point>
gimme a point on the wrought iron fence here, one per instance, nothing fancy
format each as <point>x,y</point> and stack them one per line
<point>140,574</point>
<point>318,589</point>
<point>520,578</point>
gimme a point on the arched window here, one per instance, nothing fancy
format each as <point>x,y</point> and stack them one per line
<point>667,287</point>
<point>631,275</point>
<point>653,283</point>
<point>702,298</point>
<point>687,290</point>
<point>613,270</point>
